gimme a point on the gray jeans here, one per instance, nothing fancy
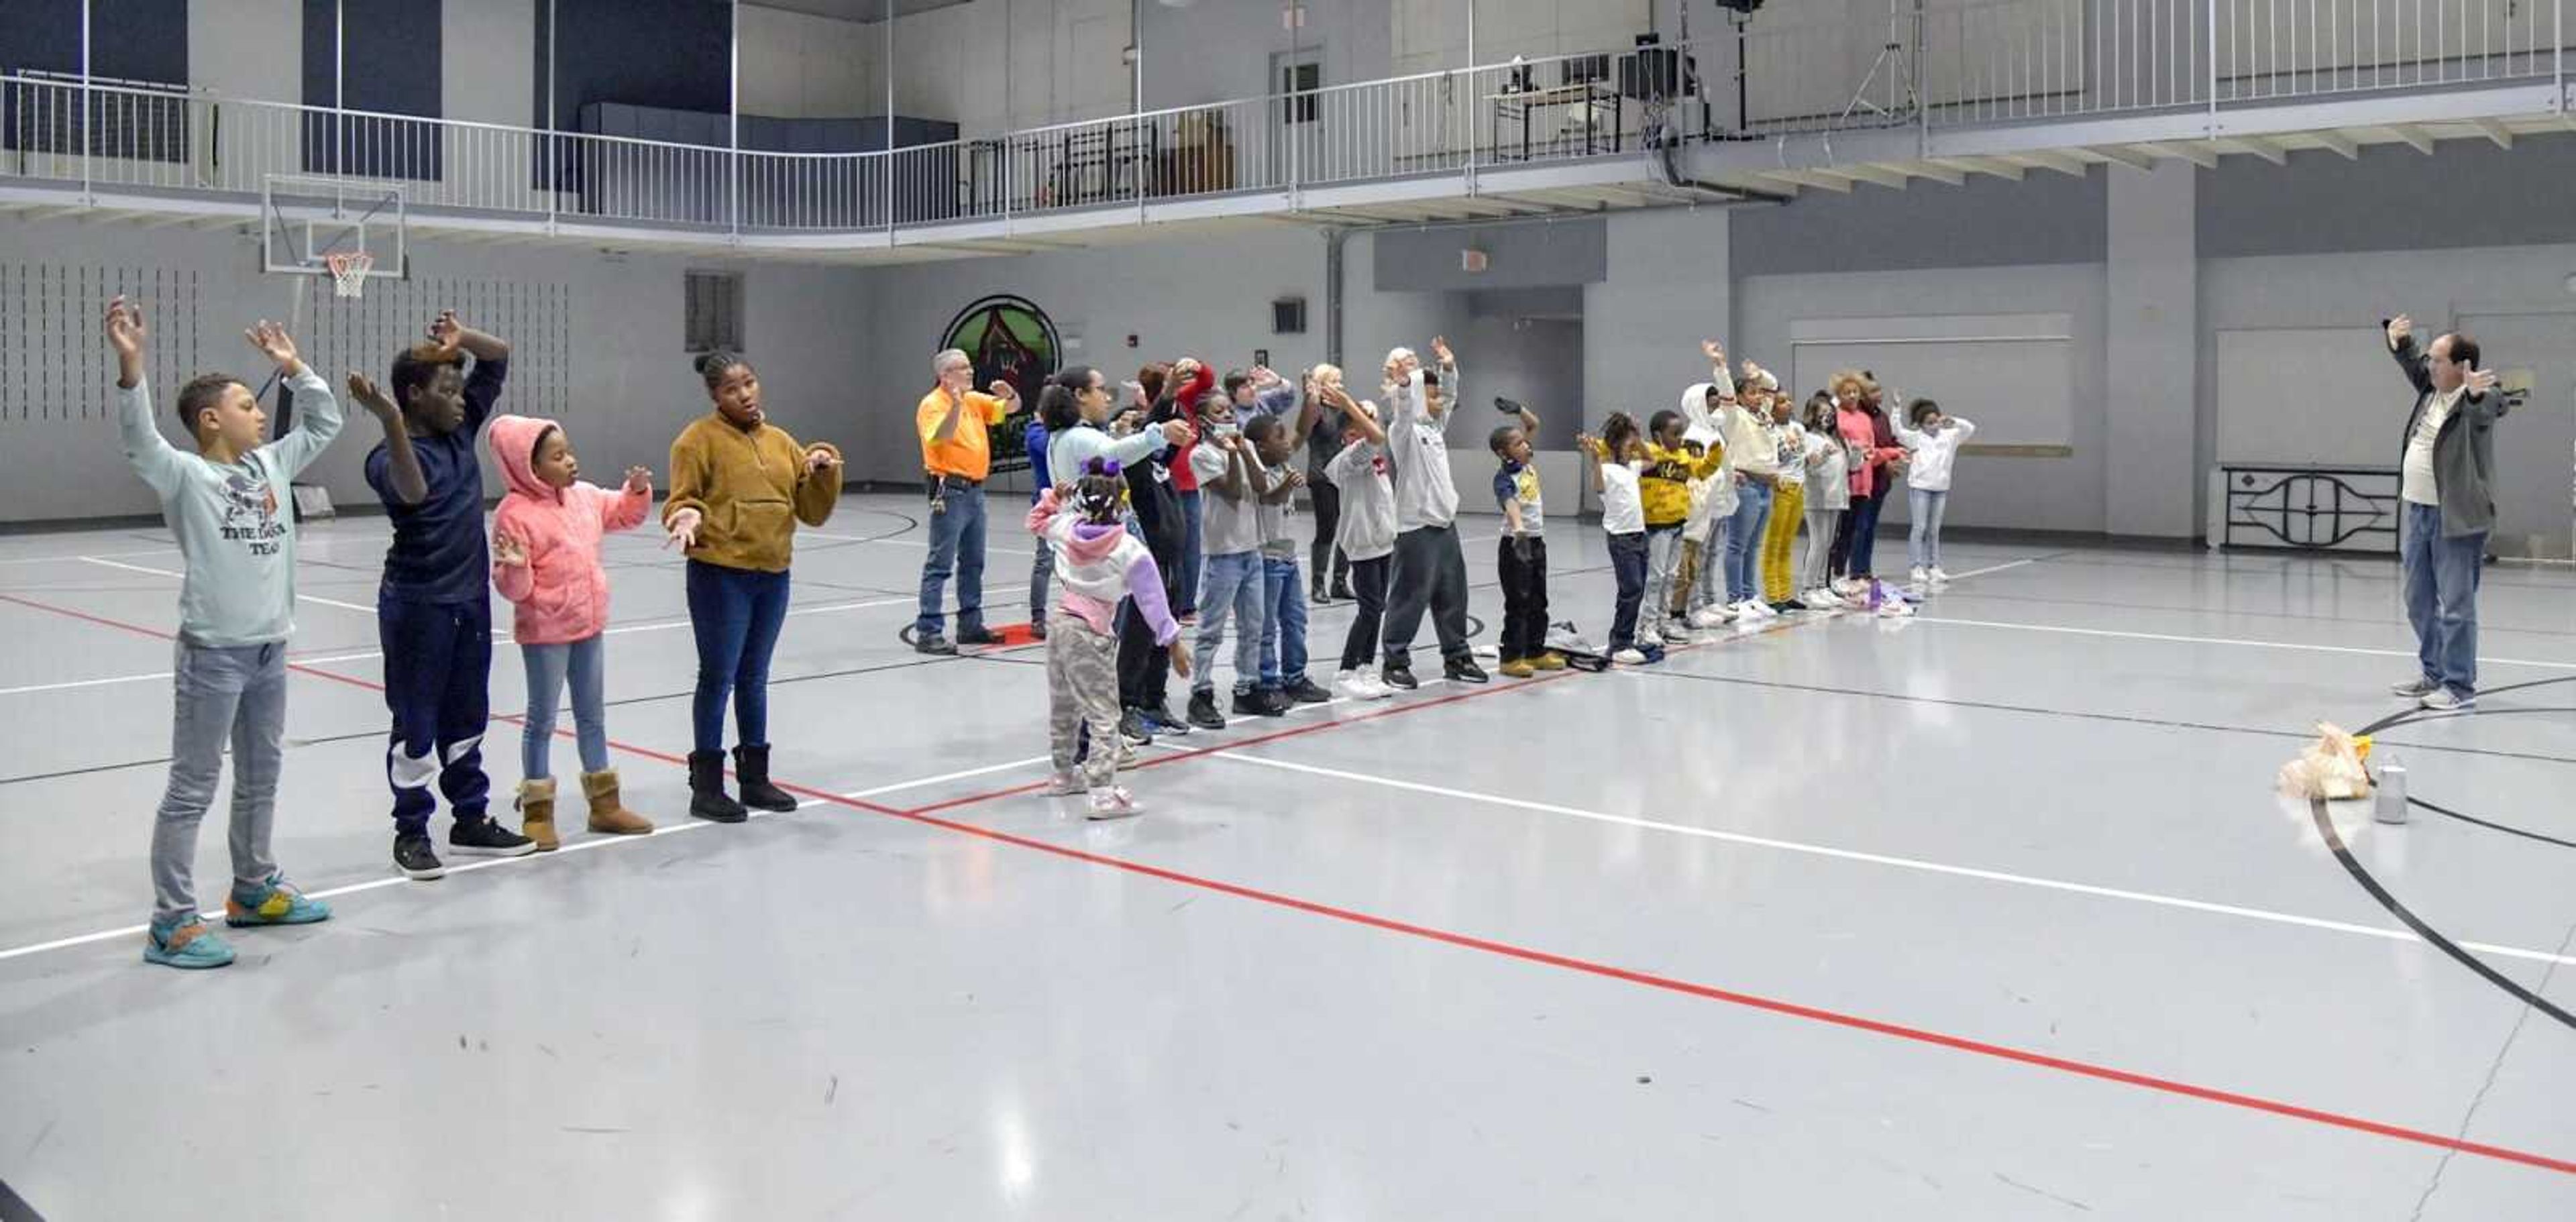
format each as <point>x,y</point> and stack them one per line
<point>235,695</point>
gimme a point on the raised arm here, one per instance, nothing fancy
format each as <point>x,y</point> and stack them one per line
<point>151,455</point>
<point>2410,360</point>
<point>1365,421</point>
<point>402,466</point>
<point>491,364</point>
<point>1591,447</point>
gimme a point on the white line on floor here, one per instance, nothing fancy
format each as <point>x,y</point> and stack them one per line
<point>103,562</point>
<point>1881,859</point>
<point>2216,640</point>
<point>158,551</point>
<point>1994,568</point>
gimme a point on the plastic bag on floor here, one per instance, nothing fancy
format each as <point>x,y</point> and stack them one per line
<point>1579,653</point>
<point>2331,768</point>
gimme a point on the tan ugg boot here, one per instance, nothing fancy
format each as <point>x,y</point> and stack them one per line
<point>537,813</point>
<point>607,814</point>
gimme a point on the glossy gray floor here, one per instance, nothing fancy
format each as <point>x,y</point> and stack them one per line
<point>1990,914</point>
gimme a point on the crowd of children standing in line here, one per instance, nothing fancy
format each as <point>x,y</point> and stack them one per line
<point>1710,496</point>
<point>1168,511</point>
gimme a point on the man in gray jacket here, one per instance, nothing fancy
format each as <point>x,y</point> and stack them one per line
<point>2446,464</point>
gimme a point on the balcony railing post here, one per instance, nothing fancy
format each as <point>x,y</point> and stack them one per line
<point>2212,18</point>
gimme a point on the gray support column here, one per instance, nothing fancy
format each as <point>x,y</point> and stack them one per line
<point>2149,482</point>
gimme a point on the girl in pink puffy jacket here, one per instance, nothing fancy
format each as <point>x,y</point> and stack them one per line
<point>545,560</point>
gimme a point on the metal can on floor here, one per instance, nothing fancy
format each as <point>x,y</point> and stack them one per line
<point>2391,787</point>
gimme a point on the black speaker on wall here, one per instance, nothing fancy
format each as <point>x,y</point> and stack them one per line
<point>1288,316</point>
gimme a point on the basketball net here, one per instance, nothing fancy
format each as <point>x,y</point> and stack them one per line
<point>349,272</point>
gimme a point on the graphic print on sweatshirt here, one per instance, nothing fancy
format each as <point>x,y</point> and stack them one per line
<point>250,511</point>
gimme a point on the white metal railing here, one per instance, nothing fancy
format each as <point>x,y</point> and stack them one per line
<point>1933,63</point>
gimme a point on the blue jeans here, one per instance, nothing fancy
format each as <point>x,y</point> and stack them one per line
<point>2442,596</point>
<point>1283,623</point>
<point>1194,521</point>
<point>1233,587</point>
<point>1041,576</point>
<point>956,543</point>
<point>1864,529</point>
<point>735,614</point>
<point>1744,542</point>
<point>1923,540</point>
<point>1628,568</point>
<point>548,666</point>
<point>438,678</point>
<point>219,695</point>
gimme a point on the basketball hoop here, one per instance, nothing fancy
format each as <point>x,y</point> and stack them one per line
<point>349,272</point>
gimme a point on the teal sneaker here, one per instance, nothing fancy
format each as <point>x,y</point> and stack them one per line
<point>280,904</point>
<point>188,946</point>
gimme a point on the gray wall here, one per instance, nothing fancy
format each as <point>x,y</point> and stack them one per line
<point>2470,193</point>
<point>1526,255</point>
<point>1221,49</point>
<point>602,350</point>
<point>1984,222</point>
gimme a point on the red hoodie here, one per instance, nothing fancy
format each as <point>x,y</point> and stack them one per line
<point>1186,399</point>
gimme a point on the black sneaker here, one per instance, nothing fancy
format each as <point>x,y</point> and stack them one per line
<point>1132,727</point>
<point>414,857</point>
<point>1037,627</point>
<point>1260,702</point>
<point>1398,675</point>
<point>1342,592</point>
<point>1203,712</point>
<point>1315,594</point>
<point>1464,670</point>
<point>978,636</point>
<point>1159,719</point>
<point>486,838</point>
<point>1304,691</point>
<point>935,644</point>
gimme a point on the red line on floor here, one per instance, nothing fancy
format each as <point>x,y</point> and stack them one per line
<point>2003,1052</point>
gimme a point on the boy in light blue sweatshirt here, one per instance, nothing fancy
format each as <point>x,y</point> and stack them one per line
<point>228,505</point>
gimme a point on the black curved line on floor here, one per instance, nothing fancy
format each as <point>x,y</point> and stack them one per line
<point>2418,716</point>
<point>2506,828</point>
<point>2361,874</point>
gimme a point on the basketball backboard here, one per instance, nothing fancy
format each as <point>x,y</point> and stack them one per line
<point>305,219</point>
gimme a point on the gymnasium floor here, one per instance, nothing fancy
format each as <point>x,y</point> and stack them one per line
<point>1990,914</point>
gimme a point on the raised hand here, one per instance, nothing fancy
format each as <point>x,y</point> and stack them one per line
<point>681,529</point>
<point>1440,348</point>
<point>2481,381</point>
<point>818,458</point>
<point>1004,390</point>
<point>274,343</point>
<point>446,332</point>
<point>1178,432</point>
<point>1713,350</point>
<point>125,330</point>
<point>1296,479</point>
<point>368,395</point>
<point>506,549</point>
<point>639,479</point>
<point>2399,329</point>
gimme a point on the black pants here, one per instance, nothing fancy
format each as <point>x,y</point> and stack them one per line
<point>1430,573</point>
<point>1328,515</point>
<point>1144,667</point>
<point>1368,581</point>
<point>1524,599</point>
<point>1840,556</point>
<point>1628,562</point>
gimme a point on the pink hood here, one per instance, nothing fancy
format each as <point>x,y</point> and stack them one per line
<point>561,593</point>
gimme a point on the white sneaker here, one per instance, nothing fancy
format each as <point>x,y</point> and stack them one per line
<point>1895,608</point>
<point>2444,700</point>
<point>1939,577</point>
<point>1711,617</point>
<point>1848,586</point>
<point>1126,754</point>
<point>1115,803</point>
<point>1065,785</point>
<point>1821,599</point>
<point>1649,636</point>
<point>1760,610</point>
<point>1362,685</point>
<point>1918,574</point>
<point>2416,688</point>
<point>1628,657</point>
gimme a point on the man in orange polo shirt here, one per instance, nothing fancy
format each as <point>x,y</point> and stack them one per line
<point>956,455</point>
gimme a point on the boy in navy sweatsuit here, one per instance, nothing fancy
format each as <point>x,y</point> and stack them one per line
<point>434,608</point>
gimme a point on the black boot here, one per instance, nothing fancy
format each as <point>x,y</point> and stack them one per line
<point>751,771</point>
<point>707,799</point>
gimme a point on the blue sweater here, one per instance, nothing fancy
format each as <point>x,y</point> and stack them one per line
<point>439,554</point>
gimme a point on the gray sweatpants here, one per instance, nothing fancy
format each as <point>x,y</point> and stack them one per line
<point>221,694</point>
<point>1082,689</point>
<point>1815,571</point>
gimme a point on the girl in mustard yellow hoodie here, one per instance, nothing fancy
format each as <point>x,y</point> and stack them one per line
<point>739,485</point>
